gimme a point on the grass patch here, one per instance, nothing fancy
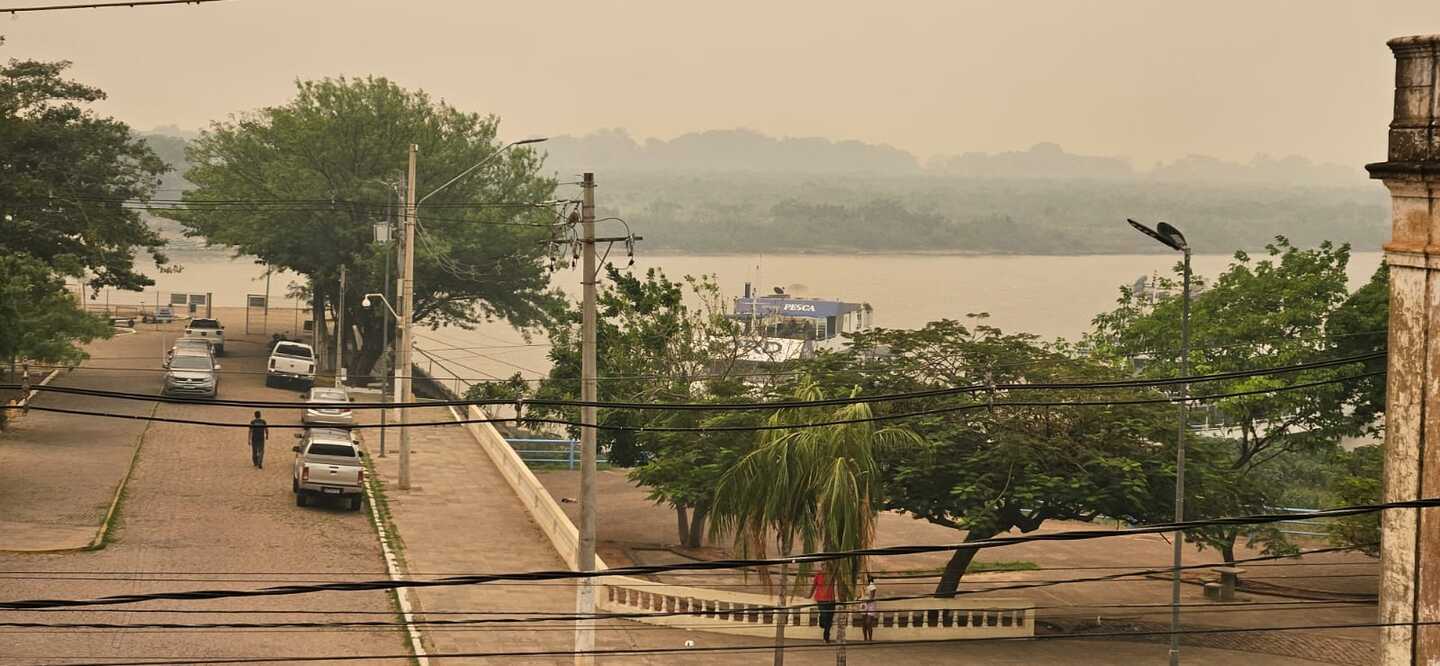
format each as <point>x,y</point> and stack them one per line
<point>382,511</point>
<point>114,520</point>
<point>1001,565</point>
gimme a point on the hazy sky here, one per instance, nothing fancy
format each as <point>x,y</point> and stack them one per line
<point>1143,79</point>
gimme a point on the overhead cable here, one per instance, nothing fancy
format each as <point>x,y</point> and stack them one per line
<point>641,570</point>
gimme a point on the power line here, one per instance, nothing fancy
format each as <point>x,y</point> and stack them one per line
<point>767,647</point>
<point>702,429</point>
<point>641,570</point>
<point>753,406</point>
<point>102,5</point>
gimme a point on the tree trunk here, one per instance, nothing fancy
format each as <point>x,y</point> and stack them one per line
<point>322,335</point>
<point>697,528</point>
<point>782,619</point>
<point>1227,549</point>
<point>959,562</point>
<point>843,611</point>
<point>682,524</point>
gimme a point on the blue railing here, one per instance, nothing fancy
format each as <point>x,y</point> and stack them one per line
<point>549,451</point>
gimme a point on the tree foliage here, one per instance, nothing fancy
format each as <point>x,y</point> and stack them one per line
<point>69,179</point>
<point>336,152</point>
<point>990,471</point>
<point>1258,313</point>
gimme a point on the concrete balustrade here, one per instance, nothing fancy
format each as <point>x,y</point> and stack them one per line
<point>723,611</point>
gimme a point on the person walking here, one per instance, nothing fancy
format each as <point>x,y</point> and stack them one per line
<point>868,617</point>
<point>822,590</point>
<point>259,432</point>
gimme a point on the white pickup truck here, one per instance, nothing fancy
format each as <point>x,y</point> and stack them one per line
<point>327,464</point>
<point>291,362</point>
<point>208,328</point>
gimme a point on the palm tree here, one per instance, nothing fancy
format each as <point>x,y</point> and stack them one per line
<point>818,486</point>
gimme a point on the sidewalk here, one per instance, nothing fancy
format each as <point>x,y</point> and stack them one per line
<point>59,472</point>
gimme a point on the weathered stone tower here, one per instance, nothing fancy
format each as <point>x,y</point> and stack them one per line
<point>1410,557</point>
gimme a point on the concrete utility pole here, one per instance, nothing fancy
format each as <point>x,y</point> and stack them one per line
<point>340,332</point>
<point>585,592</point>
<point>1410,538</point>
<point>407,313</point>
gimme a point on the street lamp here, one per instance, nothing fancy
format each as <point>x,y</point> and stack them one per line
<point>1173,239</point>
<point>407,289</point>
<point>365,303</point>
<point>384,345</point>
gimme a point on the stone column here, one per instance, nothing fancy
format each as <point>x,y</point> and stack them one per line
<point>1410,539</point>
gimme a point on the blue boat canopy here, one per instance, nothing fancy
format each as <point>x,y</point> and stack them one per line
<point>794,307</point>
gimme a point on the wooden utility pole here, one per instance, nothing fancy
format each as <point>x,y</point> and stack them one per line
<point>1410,538</point>
<point>585,592</point>
<point>407,313</point>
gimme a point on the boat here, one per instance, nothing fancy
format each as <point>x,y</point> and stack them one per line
<point>785,327</point>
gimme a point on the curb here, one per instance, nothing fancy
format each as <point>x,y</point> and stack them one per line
<point>401,595</point>
<point>99,540</point>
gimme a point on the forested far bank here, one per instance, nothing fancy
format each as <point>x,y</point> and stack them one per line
<point>748,213</point>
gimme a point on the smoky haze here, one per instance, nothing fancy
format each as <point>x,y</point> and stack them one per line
<point>1140,81</point>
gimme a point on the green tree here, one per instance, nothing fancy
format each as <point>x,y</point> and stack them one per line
<point>988,471</point>
<point>818,486</point>
<point>657,340</point>
<point>335,152</point>
<point>39,320</point>
<point>1270,312</point>
<point>69,179</point>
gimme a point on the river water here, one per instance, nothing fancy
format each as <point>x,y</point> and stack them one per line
<point>1050,296</point>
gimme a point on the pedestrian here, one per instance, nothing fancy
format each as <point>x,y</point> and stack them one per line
<point>259,432</point>
<point>822,590</point>
<point>868,617</point>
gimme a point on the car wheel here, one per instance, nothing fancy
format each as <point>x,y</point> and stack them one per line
<point>300,499</point>
<point>355,503</point>
<point>294,486</point>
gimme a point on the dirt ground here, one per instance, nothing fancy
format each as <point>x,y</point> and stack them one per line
<point>634,530</point>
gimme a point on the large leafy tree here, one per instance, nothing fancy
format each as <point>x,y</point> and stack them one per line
<point>660,340</point>
<point>1258,313</point>
<point>312,176</point>
<point>70,179</point>
<point>69,182</point>
<point>988,471</point>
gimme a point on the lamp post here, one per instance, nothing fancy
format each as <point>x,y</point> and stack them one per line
<point>385,380</point>
<point>407,290</point>
<point>1173,239</point>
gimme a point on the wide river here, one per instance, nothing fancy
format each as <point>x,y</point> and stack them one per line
<point>1050,296</point>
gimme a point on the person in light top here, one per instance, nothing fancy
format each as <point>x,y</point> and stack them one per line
<point>868,618</point>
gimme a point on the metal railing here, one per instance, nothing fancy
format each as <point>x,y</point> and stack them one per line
<point>548,451</point>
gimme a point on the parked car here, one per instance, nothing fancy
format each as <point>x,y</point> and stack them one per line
<point>162,315</point>
<point>332,416</point>
<point>192,374</point>
<point>208,328</point>
<point>291,362</point>
<point>188,345</point>
<point>121,321</point>
<point>327,463</point>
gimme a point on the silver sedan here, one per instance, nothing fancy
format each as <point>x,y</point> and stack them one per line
<point>330,416</point>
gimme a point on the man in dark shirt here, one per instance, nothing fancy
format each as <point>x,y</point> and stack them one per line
<point>258,434</point>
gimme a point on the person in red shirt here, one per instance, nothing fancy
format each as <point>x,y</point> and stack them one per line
<point>822,590</point>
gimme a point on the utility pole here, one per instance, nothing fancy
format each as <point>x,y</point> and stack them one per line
<point>585,592</point>
<point>385,328</point>
<point>407,313</point>
<point>340,331</point>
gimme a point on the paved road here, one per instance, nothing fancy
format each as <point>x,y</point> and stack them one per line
<point>196,515</point>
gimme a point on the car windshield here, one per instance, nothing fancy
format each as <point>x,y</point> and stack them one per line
<point>329,396</point>
<point>204,323</point>
<point>324,449</point>
<point>292,350</point>
<point>190,363</point>
<point>189,343</point>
